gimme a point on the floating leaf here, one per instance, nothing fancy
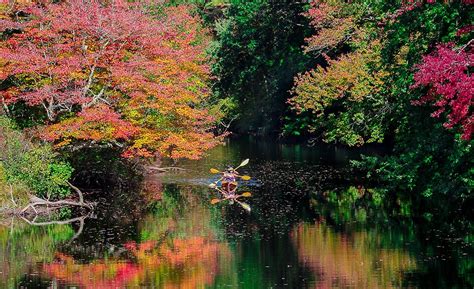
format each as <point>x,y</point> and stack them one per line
<point>245,178</point>
<point>214,171</point>
<point>247,194</point>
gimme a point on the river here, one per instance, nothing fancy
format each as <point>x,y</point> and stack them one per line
<point>168,235</point>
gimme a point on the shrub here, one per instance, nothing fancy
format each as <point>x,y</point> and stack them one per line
<point>31,165</point>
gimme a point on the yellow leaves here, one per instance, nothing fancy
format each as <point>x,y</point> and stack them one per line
<point>338,33</point>
<point>354,76</point>
<point>133,114</point>
<point>63,143</point>
<point>401,56</point>
<point>246,194</point>
<point>77,75</point>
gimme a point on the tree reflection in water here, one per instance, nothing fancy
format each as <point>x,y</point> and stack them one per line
<point>178,250</point>
<point>356,260</point>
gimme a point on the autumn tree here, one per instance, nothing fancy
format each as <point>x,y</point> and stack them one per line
<point>109,73</point>
<point>343,98</point>
<point>450,85</point>
<point>428,53</point>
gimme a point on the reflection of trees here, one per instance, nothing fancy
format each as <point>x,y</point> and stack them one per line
<point>80,220</point>
<point>356,262</point>
<point>22,244</point>
<point>170,250</point>
<point>176,263</point>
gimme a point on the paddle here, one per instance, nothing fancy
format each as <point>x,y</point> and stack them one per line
<point>214,171</point>
<point>244,205</point>
<point>243,163</point>
<point>215,201</point>
<point>213,186</point>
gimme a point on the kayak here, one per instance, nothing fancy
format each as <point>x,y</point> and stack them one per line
<point>228,185</point>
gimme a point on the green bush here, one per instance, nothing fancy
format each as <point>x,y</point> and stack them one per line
<point>35,166</point>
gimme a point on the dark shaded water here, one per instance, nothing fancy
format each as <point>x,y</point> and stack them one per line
<point>168,235</point>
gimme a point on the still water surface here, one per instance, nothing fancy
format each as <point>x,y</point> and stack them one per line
<point>169,236</point>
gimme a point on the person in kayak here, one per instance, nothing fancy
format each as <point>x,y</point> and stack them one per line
<point>229,181</point>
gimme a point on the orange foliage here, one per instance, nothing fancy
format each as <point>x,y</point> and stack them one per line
<point>198,255</point>
<point>110,72</point>
<point>350,76</point>
<point>346,95</point>
<point>332,28</point>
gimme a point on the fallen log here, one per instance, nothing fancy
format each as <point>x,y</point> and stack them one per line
<point>36,201</point>
<point>165,169</point>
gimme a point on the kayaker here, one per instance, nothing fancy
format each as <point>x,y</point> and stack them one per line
<point>229,181</point>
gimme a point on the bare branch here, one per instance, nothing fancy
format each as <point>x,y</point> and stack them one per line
<point>79,193</point>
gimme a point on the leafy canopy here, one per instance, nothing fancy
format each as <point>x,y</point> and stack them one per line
<point>109,73</point>
<point>343,97</point>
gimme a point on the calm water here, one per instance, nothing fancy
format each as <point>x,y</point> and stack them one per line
<point>167,235</point>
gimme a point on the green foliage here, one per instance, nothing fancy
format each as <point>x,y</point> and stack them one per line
<point>256,53</point>
<point>429,165</point>
<point>429,168</point>
<point>343,98</point>
<point>11,196</point>
<point>363,92</point>
<point>34,166</point>
<point>21,242</point>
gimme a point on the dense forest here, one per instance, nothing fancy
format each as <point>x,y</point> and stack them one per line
<point>354,73</point>
<point>143,81</point>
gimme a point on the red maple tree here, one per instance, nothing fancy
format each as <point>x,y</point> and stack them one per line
<point>445,73</point>
<point>110,72</point>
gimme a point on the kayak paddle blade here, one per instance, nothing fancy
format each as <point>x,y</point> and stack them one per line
<point>212,186</point>
<point>215,201</point>
<point>246,194</point>
<point>245,206</point>
<point>245,178</point>
<point>214,171</point>
<point>244,163</point>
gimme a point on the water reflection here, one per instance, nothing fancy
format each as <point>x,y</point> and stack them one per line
<point>170,254</point>
<point>356,260</point>
<point>167,235</point>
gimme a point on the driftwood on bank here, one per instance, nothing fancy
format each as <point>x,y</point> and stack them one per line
<point>165,169</point>
<point>36,201</point>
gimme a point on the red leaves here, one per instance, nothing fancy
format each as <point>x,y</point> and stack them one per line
<point>450,86</point>
<point>98,123</point>
<point>108,71</point>
<point>465,30</point>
